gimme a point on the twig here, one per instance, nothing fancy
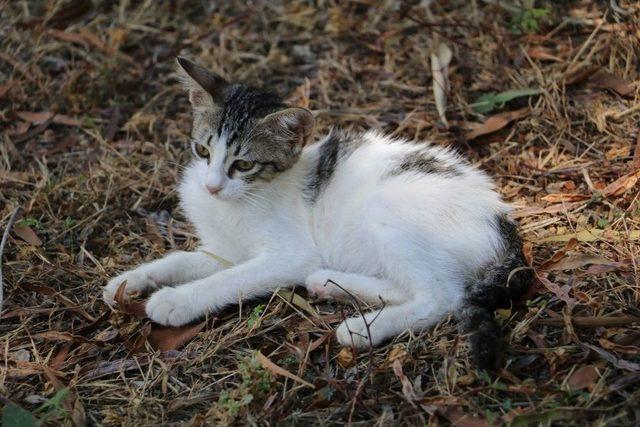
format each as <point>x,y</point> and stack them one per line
<point>5,237</point>
<point>367,326</point>
<point>591,322</point>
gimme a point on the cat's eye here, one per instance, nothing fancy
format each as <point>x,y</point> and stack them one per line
<point>202,151</point>
<point>243,165</point>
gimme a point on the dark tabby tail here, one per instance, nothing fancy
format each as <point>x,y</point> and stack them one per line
<point>496,286</point>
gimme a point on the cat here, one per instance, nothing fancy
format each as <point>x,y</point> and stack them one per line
<point>410,226</point>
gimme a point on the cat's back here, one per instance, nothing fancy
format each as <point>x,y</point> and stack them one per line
<point>368,185</point>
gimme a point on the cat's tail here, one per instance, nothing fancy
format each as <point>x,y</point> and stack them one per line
<point>497,285</point>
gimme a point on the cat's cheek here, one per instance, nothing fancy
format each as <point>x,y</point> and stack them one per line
<point>233,190</point>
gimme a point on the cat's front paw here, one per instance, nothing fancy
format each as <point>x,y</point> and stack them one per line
<point>171,307</point>
<point>136,282</point>
<point>320,285</point>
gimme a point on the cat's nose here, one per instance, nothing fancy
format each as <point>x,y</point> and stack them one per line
<point>213,189</point>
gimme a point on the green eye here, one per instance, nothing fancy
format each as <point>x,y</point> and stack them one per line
<point>202,151</point>
<point>243,165</point>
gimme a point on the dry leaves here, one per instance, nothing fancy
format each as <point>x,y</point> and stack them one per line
<point>606,80</point>
<point>496,122</point>
<point>407,388</point>
<point>27,234</point>
<point>346,357</point>
<point>440,60</point>
<point>583,377</point>
<point>621,185</point>
<point>277,370</point>
<point>162,338</point>
<point>45,116</point>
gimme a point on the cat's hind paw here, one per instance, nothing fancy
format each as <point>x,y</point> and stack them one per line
<point>353,332</point>
<point>136,282</point>
<point>170,307</point>
<point>320,285</point>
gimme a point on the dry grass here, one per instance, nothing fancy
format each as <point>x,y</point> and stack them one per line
<point>96,185</point>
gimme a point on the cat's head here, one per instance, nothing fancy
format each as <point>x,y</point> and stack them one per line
<point>242,137</point>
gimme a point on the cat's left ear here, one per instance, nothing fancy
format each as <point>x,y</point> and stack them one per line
<point>292,125</point>
<point>206,88</point>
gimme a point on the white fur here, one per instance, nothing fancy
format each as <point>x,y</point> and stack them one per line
<point>409,240</point>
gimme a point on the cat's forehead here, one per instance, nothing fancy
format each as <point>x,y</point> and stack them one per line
<point>244,103</point>
<point>241,108</point>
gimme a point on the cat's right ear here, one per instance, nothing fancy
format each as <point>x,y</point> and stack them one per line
<point>206,88</point>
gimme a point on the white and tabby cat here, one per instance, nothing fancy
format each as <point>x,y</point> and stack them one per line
<point>410,224</point>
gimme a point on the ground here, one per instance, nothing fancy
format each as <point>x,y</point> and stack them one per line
<point>94,129</point>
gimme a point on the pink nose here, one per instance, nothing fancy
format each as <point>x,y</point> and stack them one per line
<point>213,190</point>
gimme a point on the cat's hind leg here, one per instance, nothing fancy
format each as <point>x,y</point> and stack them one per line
<point>173,269</point>
<point>338,285</point>
<point>377,326</point>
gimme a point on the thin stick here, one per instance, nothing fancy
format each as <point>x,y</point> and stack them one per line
<point>591,322</point>
<point>5,237</point>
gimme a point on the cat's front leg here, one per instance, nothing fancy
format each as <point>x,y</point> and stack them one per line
<point>259,276</point>
<point>175,268</point>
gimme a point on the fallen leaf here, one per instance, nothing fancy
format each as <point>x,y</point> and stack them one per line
<point>277,370</point>
<point>497,122</point>
<point>61,357</point>
<point>615,361</point>
<point>119,295</point>
<point>583,377</point>
<point>172,338</point>
<point>440,60</point>
<point>407,388</point>
<point>36,118</point>
<point>44,116</point>
<point>564,197</point>
<point>580,75</point>
<point>136,309</point>
<point>606,80</point>
<point>558,291</point>
<point>559,254</point>
<point>527,251</point>
<point>622,184</point>
<point>578,261</point>
<point>602,268</point>
<point>27,234</point>
<point>397,353</point>
<point>6,87</point>
<point>298,301</point>
<point>346,358</point>
<point>542,54</point>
